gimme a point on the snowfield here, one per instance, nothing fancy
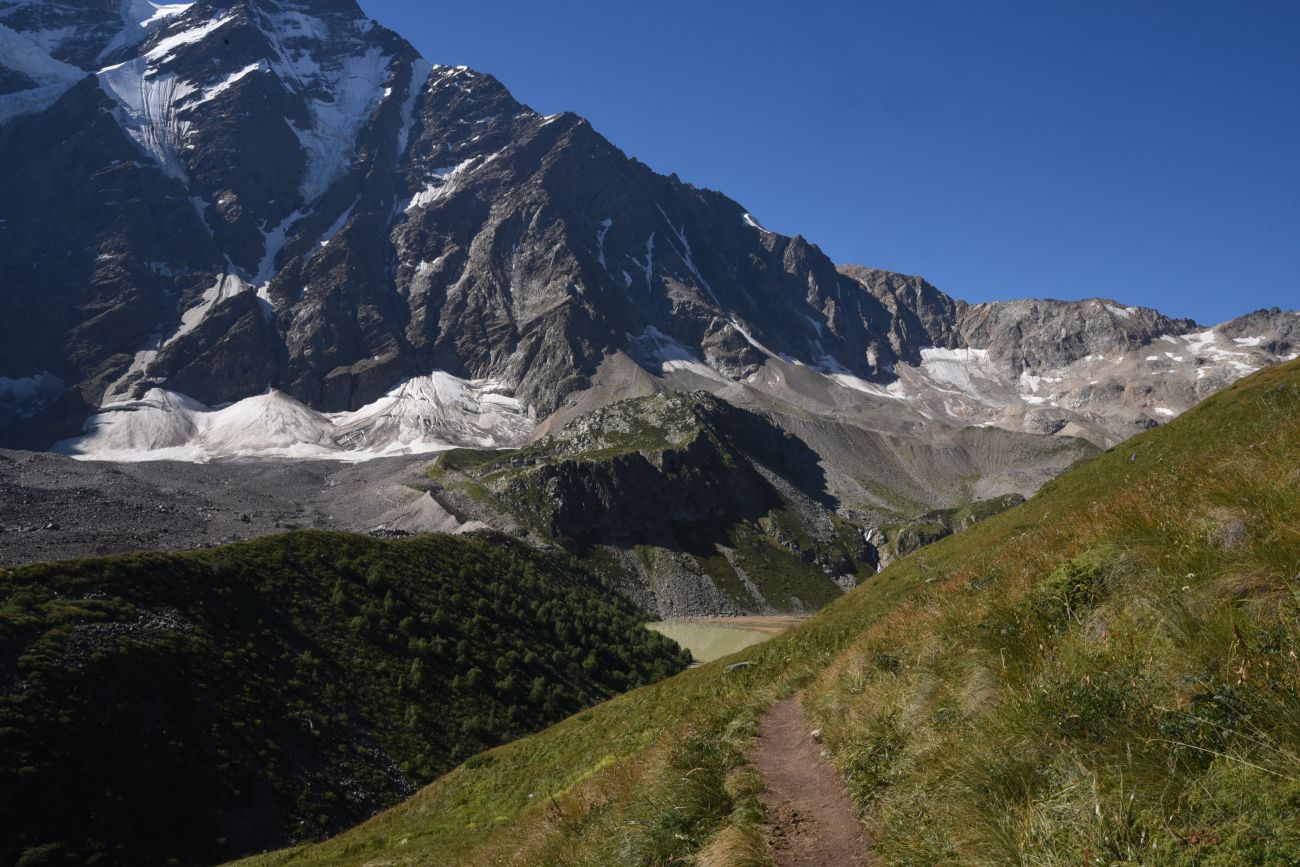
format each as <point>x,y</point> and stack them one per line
<point>661,354</point>
<point>425,414</point>
<point>28,57</point>
<point>965,386</point>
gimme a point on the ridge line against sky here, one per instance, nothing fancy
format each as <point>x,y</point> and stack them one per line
<point>1142,152</point>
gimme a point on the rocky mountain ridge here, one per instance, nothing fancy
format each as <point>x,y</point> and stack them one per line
<point>217,202</point>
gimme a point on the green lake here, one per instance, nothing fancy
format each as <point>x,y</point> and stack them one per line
<point>710,638</point>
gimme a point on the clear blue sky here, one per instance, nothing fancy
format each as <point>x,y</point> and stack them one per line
<point>1146,150</point>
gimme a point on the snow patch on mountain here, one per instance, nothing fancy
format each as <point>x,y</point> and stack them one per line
<point>749,338</point>
<point>225,84</point>
<point>140,18</point>
<point>683,250</point>
<point>661,354</point>
<point>25,53</point>
<point>422,415</point>
<point>148,110</point>
<point>353,89</point>
<point>604,226</point>
<point>966,386</point>
<point>420,71</point>
<point>146,14</point>
<point>648,267</point>
<point>841,376</point>
<point>966,370</point>
<point>335,227</point>
<point>442,182</point>
<point>226,286</point>
<point>162,50</point>
<point>273,242</point>
<point>22,54</point>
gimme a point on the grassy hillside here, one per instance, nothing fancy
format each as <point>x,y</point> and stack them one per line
<point>1105,674</point>
<point>1110,673</point>
<point>892,541</point>
<point>185,708</point>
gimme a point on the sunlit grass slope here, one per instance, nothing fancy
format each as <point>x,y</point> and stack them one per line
<point>1106,674</point>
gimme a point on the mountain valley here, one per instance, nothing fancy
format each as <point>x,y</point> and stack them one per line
<point>356,419</point>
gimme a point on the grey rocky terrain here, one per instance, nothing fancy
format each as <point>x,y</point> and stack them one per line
<point>53,507</point>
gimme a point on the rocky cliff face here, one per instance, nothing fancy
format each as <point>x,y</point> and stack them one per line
<point>231,197</point>
<point>210,201</point>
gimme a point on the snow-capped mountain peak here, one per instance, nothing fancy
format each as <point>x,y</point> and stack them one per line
<point>164,64</point>
<point>208,200</point>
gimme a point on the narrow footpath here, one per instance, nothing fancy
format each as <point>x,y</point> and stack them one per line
<point>811,820</point>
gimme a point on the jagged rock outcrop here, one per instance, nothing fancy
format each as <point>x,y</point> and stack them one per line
<point>1037,335</point>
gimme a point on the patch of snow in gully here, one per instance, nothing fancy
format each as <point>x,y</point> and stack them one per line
<point>355,89</point>
<point>959,368</point>
<point>605,226</point>
<point>420,71</point>
<point>148,110</point>
<point>662,354</point>
<point>140,18</point>
<point>443,182</point>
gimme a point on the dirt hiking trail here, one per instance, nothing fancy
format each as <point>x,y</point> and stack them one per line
<point>811,820</point>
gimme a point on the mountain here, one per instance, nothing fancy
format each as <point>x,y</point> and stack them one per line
<point>190,708</point>
<point>1105,671</point>
<point>269,227</point>
<point>692,505</point>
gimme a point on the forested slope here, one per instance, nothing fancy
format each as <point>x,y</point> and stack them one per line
<point>184,708</point>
